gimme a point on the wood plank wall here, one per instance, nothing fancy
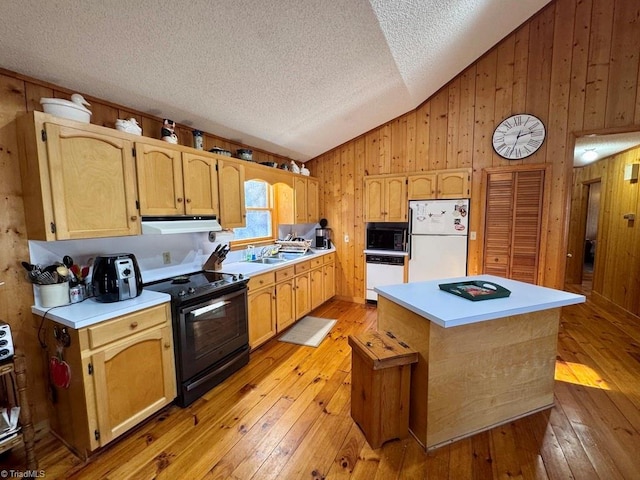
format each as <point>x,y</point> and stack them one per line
<point>574,65</point>
<point>19,94</point>
<point>616,275</point>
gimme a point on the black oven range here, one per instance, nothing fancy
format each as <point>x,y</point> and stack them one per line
<point>210,330</point>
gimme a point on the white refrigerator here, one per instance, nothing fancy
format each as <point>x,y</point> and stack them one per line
<point>438,239</point>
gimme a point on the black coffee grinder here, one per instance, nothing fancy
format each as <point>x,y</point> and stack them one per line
<point>323,235</point>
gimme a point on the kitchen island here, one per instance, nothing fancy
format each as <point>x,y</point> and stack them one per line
<point>480,364</point>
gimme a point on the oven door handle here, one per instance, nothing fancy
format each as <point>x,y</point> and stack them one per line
<point>214,306</point>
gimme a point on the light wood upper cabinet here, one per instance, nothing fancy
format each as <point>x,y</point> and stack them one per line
<point>385,199</point>
<point>422,186</point>
<point>439,184</point>
<point>200,185</point>
<point>231,186</point>
<point>78,181</point>
<point>313,200</point>
<point>454,183</point>
<point>300,195</point>
<point>160,184</point>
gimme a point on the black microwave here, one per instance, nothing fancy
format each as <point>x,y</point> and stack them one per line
<point>380,238</point>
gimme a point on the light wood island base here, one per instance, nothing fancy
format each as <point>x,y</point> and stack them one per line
<point>473,377</point>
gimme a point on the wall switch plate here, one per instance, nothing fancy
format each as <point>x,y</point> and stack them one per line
<point>472,235</point>
<point>346,239</point>
<point>166,258</point>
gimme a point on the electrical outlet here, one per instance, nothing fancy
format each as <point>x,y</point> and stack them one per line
<point>472,235</point>
<point>166,258</point>
<point>346,239</point>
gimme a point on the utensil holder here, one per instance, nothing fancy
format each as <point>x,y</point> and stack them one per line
<point>53,295</point>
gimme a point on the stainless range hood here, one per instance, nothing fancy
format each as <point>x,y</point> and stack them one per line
<point>169,225</point>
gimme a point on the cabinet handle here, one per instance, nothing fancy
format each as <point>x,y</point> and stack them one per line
<point>134,325</point>
<point>179,199</point>
<point>188,200</point>
<point>167,346</point>
<point>134,218</point>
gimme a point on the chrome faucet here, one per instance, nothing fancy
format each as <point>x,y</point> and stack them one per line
<point>269,251</point>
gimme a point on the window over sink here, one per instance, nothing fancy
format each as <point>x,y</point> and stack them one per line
<point>259,204</point>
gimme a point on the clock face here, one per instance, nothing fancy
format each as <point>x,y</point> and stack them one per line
<point>518,136</point>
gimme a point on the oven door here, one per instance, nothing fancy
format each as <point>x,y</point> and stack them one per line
<point>210,330</point>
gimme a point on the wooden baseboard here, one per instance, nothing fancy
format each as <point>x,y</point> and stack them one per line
<point>616,309</point>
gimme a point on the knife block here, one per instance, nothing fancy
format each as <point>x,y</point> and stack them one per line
<point>212,263</point>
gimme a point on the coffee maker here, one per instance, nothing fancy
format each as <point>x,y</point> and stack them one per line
<point>323,235</point>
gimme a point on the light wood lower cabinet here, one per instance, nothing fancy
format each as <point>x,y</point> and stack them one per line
<point>278,299</point>
<point>262,315</point>
<point>316,287</point>
<point>303,300</point>
<point>122,371</point>
<point>329,285</point>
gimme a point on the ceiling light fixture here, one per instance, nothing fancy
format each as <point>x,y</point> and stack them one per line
<point>589,155</point>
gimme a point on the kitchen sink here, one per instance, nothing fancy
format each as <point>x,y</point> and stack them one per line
<point>269,260</point>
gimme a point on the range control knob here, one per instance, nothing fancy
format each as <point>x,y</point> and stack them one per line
<point>234,278</point>
<point>240,276</point>
<point>191,290</point>
<point>182,293</point>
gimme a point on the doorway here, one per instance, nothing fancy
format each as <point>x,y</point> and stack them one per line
<point>592,214</point>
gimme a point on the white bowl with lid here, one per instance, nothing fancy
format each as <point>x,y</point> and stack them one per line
<point>73,109</point>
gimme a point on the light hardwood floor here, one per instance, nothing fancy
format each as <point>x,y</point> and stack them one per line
<point>286,416</point>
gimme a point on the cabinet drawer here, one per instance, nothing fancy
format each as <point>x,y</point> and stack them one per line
<point>262,280</point>
<point>118,328</point>
<point>284,274</point>
<point>303,267</point>
<point>316,262</point>
<point>330,258</point>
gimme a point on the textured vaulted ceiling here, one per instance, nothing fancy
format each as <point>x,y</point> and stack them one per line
<point>295,77</point>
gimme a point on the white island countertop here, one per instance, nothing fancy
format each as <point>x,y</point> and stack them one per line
<point>89,312</point>
<point>448,310</point>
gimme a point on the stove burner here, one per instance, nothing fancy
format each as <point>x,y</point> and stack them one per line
<point>180,279</point>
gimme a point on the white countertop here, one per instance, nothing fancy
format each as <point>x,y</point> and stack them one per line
<point>89,312</point>
<point>448,310</point>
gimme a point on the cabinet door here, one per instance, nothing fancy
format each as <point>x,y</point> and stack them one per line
<point>160,185</point>
<point>374,202</point>
<point>421,187</point>
<point>285,304</point>
<point>329,281</point>
<point>262,316</point>
<point>132,379</point>
<point>200,185</point>
<point>231,186</point>
<point>316,293</point>
<point>313,210</point>
<point>454,184</point>
<point>303,302</point>
<point>92,184</point>
<point>396,199</point>
<point>300,193</point>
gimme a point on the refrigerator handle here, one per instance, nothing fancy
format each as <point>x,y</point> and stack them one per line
<point>408,240</point>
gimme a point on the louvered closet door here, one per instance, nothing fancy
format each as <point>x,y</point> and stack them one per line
<point>513,218</point>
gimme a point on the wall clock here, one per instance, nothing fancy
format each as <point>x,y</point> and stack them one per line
<point>518,136</point>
